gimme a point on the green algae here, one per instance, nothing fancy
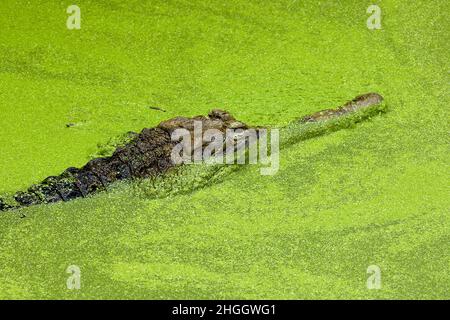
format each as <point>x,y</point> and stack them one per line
<point>107,149</point>
<point>374,194</point>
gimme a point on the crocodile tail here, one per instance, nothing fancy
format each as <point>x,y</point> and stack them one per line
<point>5,206</point>
<point>145,156</point>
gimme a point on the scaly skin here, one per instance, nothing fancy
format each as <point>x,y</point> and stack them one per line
<point>148,154</point>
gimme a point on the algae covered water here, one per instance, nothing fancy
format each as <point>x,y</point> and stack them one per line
<point>375,194</point>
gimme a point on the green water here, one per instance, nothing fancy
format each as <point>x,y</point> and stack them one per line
<point>375,194</point>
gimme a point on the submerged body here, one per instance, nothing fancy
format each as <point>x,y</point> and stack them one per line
<point>148,154</point>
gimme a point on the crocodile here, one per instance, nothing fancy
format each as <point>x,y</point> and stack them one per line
<point>148,153</point>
